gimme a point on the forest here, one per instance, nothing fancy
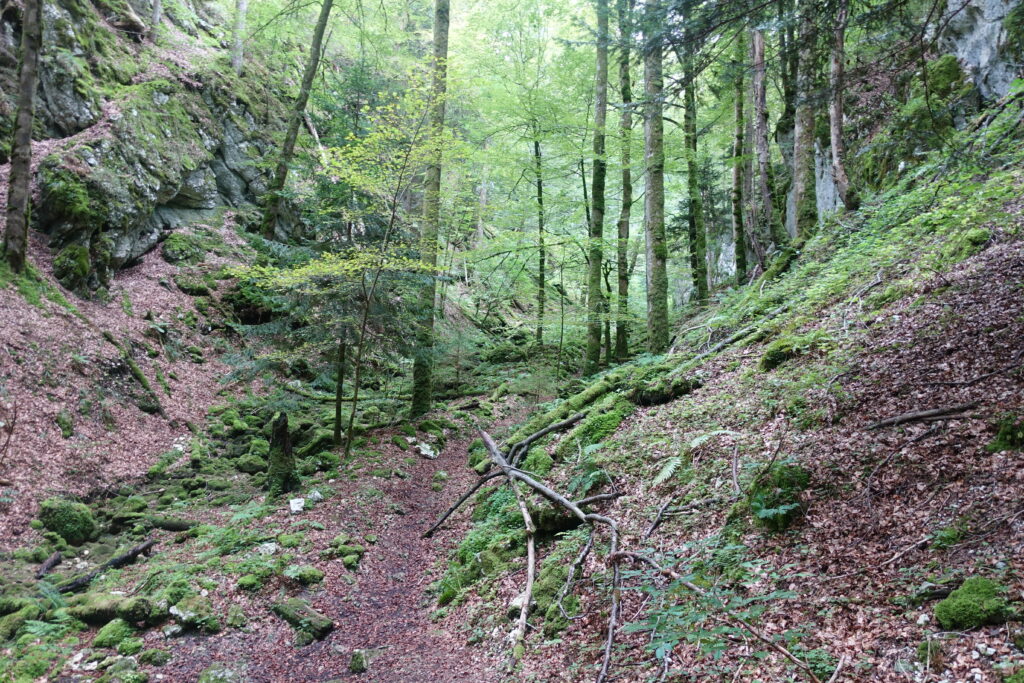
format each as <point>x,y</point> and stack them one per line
<point>512,340</point>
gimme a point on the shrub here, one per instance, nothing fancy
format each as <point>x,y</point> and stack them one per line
<point>775,499</point>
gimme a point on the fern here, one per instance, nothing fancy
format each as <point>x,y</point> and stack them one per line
<point>42,630</point>
<point>699,441</point>
<point>667,470</point>
<point>48,591</point>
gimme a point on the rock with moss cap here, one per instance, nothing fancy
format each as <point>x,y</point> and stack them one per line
<point>113,633</point>
<point>72,521</point>
<point>975,603</point>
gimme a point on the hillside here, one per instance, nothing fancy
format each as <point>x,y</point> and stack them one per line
<point>393,404</point>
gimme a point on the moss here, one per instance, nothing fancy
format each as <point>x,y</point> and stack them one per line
<point>975,603</point>
<point>113,633</point>
<point>1015,678</point>
<point>775,499</point>
<point>307,575</point>
<point>196,612</point>
<point>538,461</point>
<point>407,429</point>
<point>130,646</point>
<point>600,424</point>
<point>291,540</point>
<point>71,267</point>
<point>1009,435</point>
<point>251,464</point>
<point>11,623</point>
<point>66,423</point>
<point>72,521</point>
<point>791,346</point>
<point>964,245</point>
<point>192,284</point>
<point>399,441</point>
<point>250,582</point>
<point>303,618</point>
<point>931,655</point>
<point>154,657</point>
<point>182,248</point>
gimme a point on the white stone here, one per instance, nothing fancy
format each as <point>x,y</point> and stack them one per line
<point>923,619</point>
<point>268,548</point>
<point>297,505</point>
<point>316,496</point>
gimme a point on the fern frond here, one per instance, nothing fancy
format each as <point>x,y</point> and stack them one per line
<point>667,470</point>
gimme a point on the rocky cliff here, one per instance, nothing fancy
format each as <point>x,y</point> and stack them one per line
<point>140,129</point>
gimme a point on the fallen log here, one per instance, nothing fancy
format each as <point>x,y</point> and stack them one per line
<point>917,415</point>
<point>81,582</point>
<point>51,562</point>
<point>171,523</point>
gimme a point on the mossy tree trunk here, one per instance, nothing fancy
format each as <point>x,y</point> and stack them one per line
<point>339,390</point>
<point>803,203</point>
<point>238,35</point>
<point>423,364</point>
<point>272,213</point>
<point>837,90</point>
<point>625,8</point>
<point>654,180</point>
<point>697,229</point>
<point>281,475</point>
<point>595,250</point>
<point>538,170</point>
<point>20,177</point>
<point>771,219</point>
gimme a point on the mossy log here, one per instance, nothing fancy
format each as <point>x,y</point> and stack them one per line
<point>303,618</point>
<point>81,582</point>
<point>170,523</point>
<point>139,376</point>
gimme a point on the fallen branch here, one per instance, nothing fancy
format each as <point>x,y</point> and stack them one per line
<point>81,582</point>
<point>590,500</point>
<point>51,562</point>
<point>465,496</point>
<point>516,452</point>
<point>617,557</point>
<point>656,522</point>
<point>917,415</point>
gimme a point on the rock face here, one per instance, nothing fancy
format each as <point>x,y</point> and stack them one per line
<point>985,36</point>
<point>139,144</point>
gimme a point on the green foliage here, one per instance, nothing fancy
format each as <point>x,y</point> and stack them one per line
<point>113,633</point>
<point>601,423</point>
<point>72,521</point>
<point>775,499</point>
<point>66,422</point>
<point>1009,435</point>
<point>304,574</point>
<point>975,603</point>
<point>538,461</point>
<point>789,347</point>
<point>72,267</point>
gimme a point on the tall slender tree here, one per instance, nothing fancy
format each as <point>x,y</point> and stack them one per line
<point>238,35</point>
<point>625,10</point>
<point>695,220</point>
<point>837,90</point>
<point>595,299</point>
<point>654,180</point>
<point>739,95</point>
<point>771,218</point>
<point>423,364</point>
<point>20,178</point>
<point>802,203</point>
<point>538,170</point>
<point>272,212</point>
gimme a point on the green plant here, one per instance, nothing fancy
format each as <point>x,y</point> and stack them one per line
<point>774,498</point>
<point>978,601</point>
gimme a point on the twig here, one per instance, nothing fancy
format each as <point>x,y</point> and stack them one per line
<point>736,470</point>
<point>466,496</point>
<point>590,500</point>
<point>656,522</point>
<point>675,576</point>
<point>921,415</point>
<point>839,668</point>
<point>516,452</point>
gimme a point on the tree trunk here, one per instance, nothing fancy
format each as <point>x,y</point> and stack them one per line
<point>654,181</point>
<point>423,364</point>
<point>738,232</point>
<point>697,229</point>
<point>273,211</point>
<point>837,84</point>
<point>281,475</point>
<point>771,219</point>
<point>20,178</point>
<point>238,35</point>
<point>802,204</point>
<point>541,252</point>
<point>158,12</point>
<point>595,297</point>
<point>625,8</point>
<point>339,388</point>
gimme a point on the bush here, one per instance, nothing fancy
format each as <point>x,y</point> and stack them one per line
<point>976,603</point>
<point>71,521</point>
<point>775,500</point>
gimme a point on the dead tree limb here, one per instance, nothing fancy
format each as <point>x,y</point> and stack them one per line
<point>616,558</point>
<point>81,582</point>
<point>516,452</point>
<point>917,415</point>
<point>598,498</point>
<point>51,562</point>
<point>656,522</point>
<point>465,496</point>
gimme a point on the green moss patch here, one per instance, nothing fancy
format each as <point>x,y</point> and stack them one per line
<point>71,521</point>
<point>975,603</point>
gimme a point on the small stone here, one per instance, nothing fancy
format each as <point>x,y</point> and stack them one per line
<point>266,549</point>
<point>425,450</point>
<point>923,619</point>
<point>172,630</point>
<point>297,505</point>
<point>316,496</point>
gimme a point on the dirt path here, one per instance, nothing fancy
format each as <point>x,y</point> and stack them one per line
<point>383,607</point>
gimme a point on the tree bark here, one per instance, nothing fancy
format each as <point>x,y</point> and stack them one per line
<point>273,211</point>
<point>739,93</point>
<point>802,203</point>
<point>696,225</point>
<point>837,86</point>
<point>339,391</point>
<point>238,35</point>
<point>20,178</point>
<point>158,12</point>
<point>654,181</point>
<point>595,297</point>
<point>771,219</point>
<point>423,364</point>
<point>538,170</point>
<point>625,8</point>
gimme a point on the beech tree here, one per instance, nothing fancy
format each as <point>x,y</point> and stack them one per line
<point>624,10</point>
<point>654,180</point>
<point>20,179</point>
<point>423,363</point>
<point>595,300</point>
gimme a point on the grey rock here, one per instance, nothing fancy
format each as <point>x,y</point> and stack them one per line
<point>976,35</point>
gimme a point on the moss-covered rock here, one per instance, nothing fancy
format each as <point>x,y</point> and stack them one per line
<point>306,574</point>
<point>195,612</point>
<point>792,346</point>
<point>12,622</point>
<point>975,603</point>
<point>538,461</point>
<point>130,646</point>
<point>601,423</point>
<point>1009,435</point>
<point>72,521</point>
<point>72,267</point>
<point>251,464</point>
<point>180,247</point>
<point>113,633</point>
<point>303,618</point>
<point>154,657</point>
